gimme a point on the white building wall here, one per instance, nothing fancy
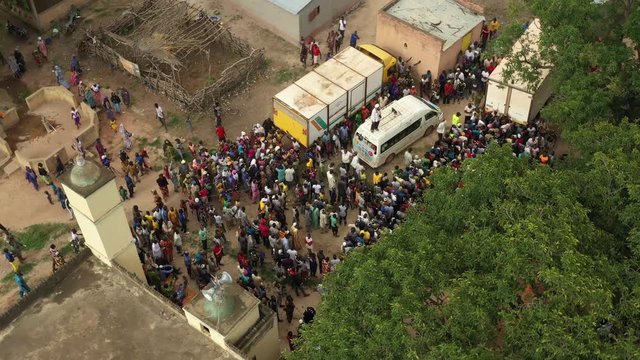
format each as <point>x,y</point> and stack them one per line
<point>273,18</point>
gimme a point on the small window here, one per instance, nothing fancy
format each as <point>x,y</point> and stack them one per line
<point>400,136</point>
<point>314,13</point>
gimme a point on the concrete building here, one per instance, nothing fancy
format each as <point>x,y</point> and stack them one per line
<point>94,198</point>
<point>292,19</point>
<point>432,32</point>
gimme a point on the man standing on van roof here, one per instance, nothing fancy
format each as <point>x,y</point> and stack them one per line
<point>376,116</point>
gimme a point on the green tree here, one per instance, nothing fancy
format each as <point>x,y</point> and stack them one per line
<point>499,267</point>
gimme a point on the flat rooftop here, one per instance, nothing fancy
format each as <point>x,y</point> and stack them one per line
<point>444,19</point>
<point>96,313</point>
<point>291,6</point>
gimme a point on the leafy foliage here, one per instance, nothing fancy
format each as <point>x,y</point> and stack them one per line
<point>37,236</point>
<point>522,262</point>
<point>501,267</point>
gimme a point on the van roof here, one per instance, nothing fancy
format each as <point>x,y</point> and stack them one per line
<point>358,62</point>
<point>300,100</point>
<point>405,107</point>
<point>318,86</point>
<point>340,74</point>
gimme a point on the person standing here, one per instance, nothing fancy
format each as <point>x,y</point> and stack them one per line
<point>23,288</point>
<point>160,116</point>
<point>289,307</point>
<point>441,129</point>
<point>354,38</point>
<point>32,178</point>
<point>75,116</point>
<point>20,60</point>
<point>76,240</point>
<point>115,101</point>
<point>75,65</point>
<point>163,184</point>
<point>315,51</point>
<point>43,174</point>
<point>494,26</point>
<point>42,47</point>
<point>304,52</point>
<point>342,26</point>
<point>203,234</point>
<point>376,116</point>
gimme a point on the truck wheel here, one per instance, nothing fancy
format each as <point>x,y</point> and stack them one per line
<point>429,131</point>
<point>390,158</point>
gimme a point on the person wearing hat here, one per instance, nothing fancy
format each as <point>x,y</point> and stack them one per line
<point>42,48</point>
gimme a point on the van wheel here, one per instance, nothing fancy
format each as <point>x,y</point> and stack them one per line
<point>429,131</point>
<point>390,158</point>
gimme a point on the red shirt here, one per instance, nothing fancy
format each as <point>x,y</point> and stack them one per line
<point>315,50</point>
<point>220,132</point>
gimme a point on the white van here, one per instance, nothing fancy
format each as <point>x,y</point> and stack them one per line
<point>404,121</point>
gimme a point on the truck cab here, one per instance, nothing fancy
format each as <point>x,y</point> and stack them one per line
<point>382,56</point>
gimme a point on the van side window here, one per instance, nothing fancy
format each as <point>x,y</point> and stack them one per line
<point>429,116</point>
<point>399,136</point>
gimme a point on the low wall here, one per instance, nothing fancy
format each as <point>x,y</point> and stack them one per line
<point>10,119</point>
<point>50,93</point>
<point>42,289</point>
<point>88,135</point>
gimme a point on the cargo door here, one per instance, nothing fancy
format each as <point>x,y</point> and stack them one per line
<point>292,124</point>
<point>497,96</point>
<point>338,109</point>
<point>318,124</point>
<point>374,84</point>
<point>356,98</point>
<point>520,106</point>
<point>466,41</point>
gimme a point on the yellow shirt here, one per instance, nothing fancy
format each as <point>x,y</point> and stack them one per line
<point>455,120</point>
<point>377,178</point>
<point>494,25</point>
<point>310,163</point>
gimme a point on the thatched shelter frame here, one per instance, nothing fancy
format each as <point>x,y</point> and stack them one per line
<point>155,41</point>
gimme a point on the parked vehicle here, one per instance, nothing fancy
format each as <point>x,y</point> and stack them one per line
<point>404,121</point>
<point>321,99</point>
<point>517,98</point>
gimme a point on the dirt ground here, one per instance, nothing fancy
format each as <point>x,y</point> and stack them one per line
<point>241,109</point>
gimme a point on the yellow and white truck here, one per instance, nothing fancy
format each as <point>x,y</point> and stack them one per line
<point>322,98</point>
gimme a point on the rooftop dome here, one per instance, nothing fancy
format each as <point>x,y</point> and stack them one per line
<point>84,173</point>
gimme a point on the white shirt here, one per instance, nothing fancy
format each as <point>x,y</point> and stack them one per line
<point>375,115</point>
<point>407,158</point>
<point>159,112</point>
<point>288,174</point>
<point>346,157</point>
<point>441,128</point>
<point>342,25</point>
<point>292,254</point>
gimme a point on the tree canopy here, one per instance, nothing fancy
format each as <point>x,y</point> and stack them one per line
<point>521,261</point>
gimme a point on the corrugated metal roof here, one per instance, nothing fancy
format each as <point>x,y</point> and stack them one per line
<point>444,19</point>
<point>292,6</point>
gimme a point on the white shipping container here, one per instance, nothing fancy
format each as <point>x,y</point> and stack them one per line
<point>300,114</point>
<point>347,79</point>
<point>329,93</point>
<point>362,64</point>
